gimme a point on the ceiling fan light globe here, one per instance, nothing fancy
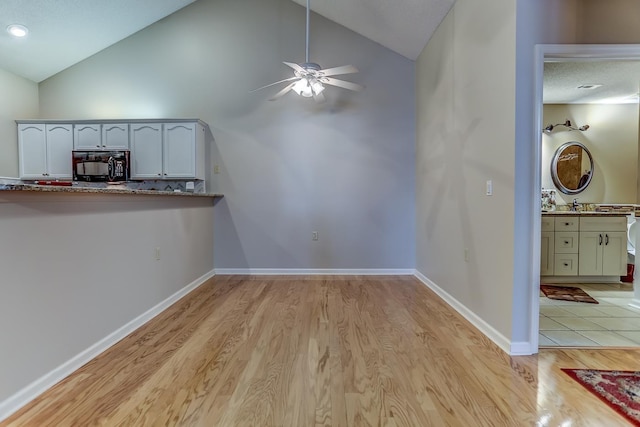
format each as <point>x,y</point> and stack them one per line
<point>303,88</point>
<point>317,87</point>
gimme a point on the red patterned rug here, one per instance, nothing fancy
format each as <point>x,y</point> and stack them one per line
<point>566,293</point>
<point>618,389</point>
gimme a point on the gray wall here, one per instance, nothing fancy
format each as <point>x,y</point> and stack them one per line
<point>344,168</point>
<point>77,267</point>
<point>475,107</point>
<point>18,100</point>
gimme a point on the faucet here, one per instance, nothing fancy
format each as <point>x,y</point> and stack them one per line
<point>575,205</point>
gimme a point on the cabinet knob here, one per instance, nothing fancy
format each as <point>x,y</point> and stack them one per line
<point>566,265</point>
<point>97,146</point>
<point>566,242</point>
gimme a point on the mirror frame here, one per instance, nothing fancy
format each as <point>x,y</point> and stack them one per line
<point>554,168</point>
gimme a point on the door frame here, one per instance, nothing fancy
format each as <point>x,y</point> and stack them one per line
<point>565,53</point>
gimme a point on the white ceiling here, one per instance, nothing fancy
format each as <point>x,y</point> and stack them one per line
<point>404,26</point>
<point>620,82</point>
<point>64,32</point>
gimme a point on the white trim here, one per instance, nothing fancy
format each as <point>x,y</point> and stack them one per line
<point>488,330</point>
<point>523,348</point>
<point>42,384</point>
<point>564,53</point>
<point>316,272</point>
<point>635,303</point>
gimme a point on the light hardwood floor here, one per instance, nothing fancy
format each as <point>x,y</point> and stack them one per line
<point>329,351</point>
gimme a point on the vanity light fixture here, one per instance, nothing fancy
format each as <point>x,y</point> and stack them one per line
<point>567,124</point>
<point>17,30</point>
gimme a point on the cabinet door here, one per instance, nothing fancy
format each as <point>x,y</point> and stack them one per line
<point>32,147</point>
<point>146,150</point>
<point>59,148</point>
<point>614,253</point>
<point>179,150</point>
<point>87,137</point>
<point>590,259</point>
<point>115,136</point>
<point>547,253</point>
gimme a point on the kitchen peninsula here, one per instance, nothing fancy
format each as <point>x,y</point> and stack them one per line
<point>83,267</point>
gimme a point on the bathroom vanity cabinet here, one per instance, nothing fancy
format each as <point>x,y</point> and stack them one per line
<point>584,246</point>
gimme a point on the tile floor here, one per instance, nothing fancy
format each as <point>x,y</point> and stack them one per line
<point>611,323</point>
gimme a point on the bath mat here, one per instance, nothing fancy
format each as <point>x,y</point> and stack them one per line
<point>620,390</point>
<point>566,293</point>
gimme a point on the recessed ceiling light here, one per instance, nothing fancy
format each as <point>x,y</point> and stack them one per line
<point>17,30</point>
<point>589,86</point>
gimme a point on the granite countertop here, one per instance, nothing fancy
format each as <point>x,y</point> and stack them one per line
<point>109,190</point>
<point>583,213</point>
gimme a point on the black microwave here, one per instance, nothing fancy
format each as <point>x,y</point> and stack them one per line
<point>110,166</point>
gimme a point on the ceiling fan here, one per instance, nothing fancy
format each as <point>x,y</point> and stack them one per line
<point>309,78</point>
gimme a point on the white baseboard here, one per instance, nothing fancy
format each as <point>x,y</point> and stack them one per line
<point>500,340</point>
<point>315,272</point>
<point>42,384</point>
<point>522,348</point>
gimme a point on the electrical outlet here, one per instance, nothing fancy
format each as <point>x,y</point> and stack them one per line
<point>216,169</point>
<point>466,254</point>
<point>314,235</point>
<point>158,254</point>
<point>489,187</point>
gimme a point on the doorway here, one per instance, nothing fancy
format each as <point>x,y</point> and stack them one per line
<point>542,314</point>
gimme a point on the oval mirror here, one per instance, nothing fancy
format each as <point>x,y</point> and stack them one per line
<point>572,168</point>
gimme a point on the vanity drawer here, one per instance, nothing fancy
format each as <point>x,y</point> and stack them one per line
<point>548,223</point>
<point>604,223</point>
<point>566,265</point>
<point>566,242</point>
<point>567,223</point>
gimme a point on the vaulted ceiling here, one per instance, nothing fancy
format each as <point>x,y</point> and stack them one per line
<point>64,32</point>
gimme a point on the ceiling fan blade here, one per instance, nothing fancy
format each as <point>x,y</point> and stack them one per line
<point>271,84</point>
<point>345,69</point>
<point>282,92</point>
<point>341,83</point>
<point>296,67</point>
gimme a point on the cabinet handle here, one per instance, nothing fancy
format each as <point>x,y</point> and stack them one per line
<point>567,223</point>
<point>566,242</point>
<point>566,265</point>
<point>600,240</point>
<point>606,239</point>
<point>97,146</point>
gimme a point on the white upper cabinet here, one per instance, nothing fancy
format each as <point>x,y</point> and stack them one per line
<point>115,136</point>
<point>171,150</point>
<point>87,137</point>
<point>101,136</point>
<point>45,151</point>
<point>179,150</point>
<point>160,149</point>
<point>32,145</point>
<point>146,150</point>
